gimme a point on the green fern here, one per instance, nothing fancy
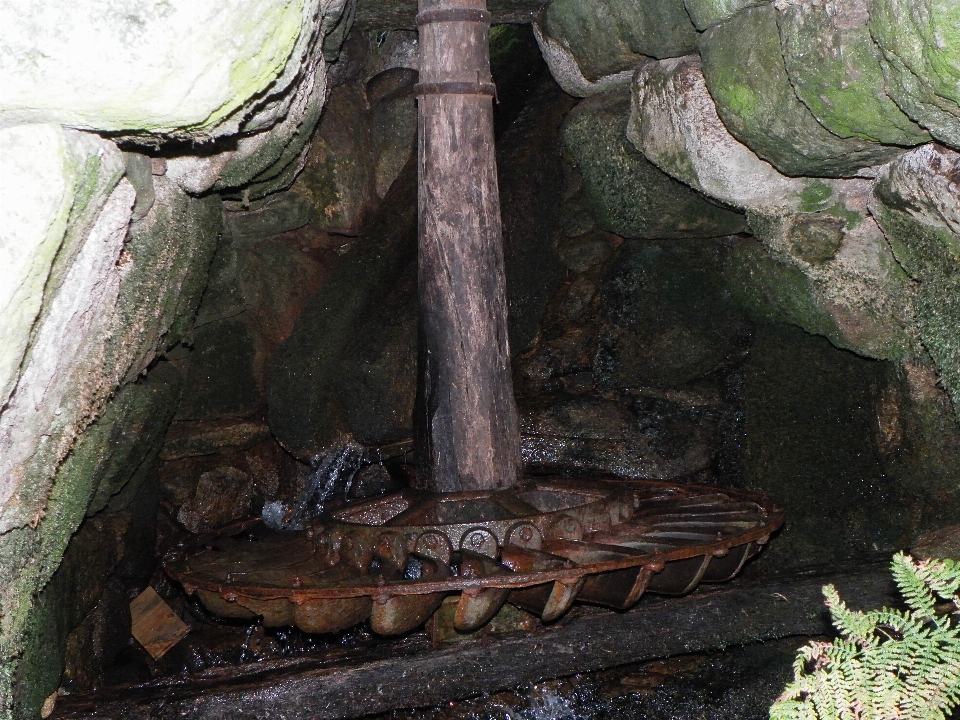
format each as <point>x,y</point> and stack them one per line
<point>886,664</point>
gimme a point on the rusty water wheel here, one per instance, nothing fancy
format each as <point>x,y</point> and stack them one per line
<point>539,546</point>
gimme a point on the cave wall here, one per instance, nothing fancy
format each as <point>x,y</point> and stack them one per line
<point>120,127</point>
<point>146,225</point>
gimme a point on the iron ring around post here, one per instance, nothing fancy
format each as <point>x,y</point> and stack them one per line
<point>453,14</point>
<point>455,88</point>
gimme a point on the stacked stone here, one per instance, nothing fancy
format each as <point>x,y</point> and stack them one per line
<point>830,129</point>
<point>105,255</point>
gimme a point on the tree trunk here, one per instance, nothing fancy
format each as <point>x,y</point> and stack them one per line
<point>465,416</point>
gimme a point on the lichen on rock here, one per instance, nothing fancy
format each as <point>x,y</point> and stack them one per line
<point>835,69</point>
<point>916,204</point>
<point>757,103</point>
<point>631,196</point>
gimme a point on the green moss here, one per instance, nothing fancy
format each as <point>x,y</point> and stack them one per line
<point>814,195</point>
<point>101,463</point>
<point>772,291</point>
<point>742,100</point>
<point>851,218</point>
<point>629,195</point>
<point>835,69</point>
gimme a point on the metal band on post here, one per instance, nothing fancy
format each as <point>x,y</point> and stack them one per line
<point>453,14</point>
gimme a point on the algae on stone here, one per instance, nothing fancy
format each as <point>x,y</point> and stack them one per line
<point>916,204</point>
<point>757,103</point>
<point>674,122</point>
<point>607,36</point>
<point>51,180</point>
<point>630,195</point>
<point>835,69</point>
<point>920,41</point>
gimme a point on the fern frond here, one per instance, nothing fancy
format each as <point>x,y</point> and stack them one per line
<point>887,664</point>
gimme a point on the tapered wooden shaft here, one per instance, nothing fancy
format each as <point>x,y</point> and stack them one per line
<point>466,415</point>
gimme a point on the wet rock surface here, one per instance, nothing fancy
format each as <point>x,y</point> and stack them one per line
<point>739,684</point>
<point>651,437</point>
<point>630,195</point>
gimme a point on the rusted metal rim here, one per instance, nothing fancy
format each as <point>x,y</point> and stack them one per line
<point>539,546</point>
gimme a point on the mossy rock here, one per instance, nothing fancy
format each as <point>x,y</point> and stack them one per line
<point>126,436</point>
<point>629,195</point>
<point>608,36</point>
<point>835,69</point>
<point>916,206</point>
<point>920,41</point>
<point>757,103</point>
<point>705,13</point>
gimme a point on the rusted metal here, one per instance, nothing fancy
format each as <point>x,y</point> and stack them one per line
<point>539,546</point>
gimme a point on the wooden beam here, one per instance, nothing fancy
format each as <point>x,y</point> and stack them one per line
<point>465,417</point>
<point>412,674</point>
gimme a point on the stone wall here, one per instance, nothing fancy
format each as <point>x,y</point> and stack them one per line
<point>120,130</point>
<point>155,265</point>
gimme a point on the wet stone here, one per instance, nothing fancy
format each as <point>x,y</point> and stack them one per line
<point>581,253</point>
<point>649,438</point>
<point>816,239</point>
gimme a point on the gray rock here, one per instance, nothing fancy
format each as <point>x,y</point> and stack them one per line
<point>630,195</point>
<point>393,124</point>
<point>221,380</point>
<point>167,256</point>
<point>857,295</point>
<point>920,41</point>
<point>653,440</point>
<point>916,205</point>
<point>337,180</point>
<point>810,422</point>
<point>186,71</point>
<point>304,414</point>
<point>835,69</point>
<point>139,171</point>
<point>585,251</point>
<point>705,13</point>
<point>674,122</point>
<point>50,176</point>
<point>757,103</point>
<point>280,213</point>
<point>608,36</point>
<point>667,318</point>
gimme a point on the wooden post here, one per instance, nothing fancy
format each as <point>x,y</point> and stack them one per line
<point>465,416</point>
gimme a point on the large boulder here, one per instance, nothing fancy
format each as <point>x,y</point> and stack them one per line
<point>630,195</point>
<point>705,13</point>
<point>920,40</point>
<point>608,36</point>
<point>831,273</point>
<point>184,69</point>
<point>835,69</point>
<point>674,122</point>
<point>116,295</point>
<point>916,205</point>
<point>53,182</point>
<point>758,105</point>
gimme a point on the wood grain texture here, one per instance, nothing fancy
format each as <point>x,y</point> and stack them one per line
<point>465,417</point>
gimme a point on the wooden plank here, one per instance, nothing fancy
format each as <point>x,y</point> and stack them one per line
<point>154,624</point>
<point>411,674</point>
